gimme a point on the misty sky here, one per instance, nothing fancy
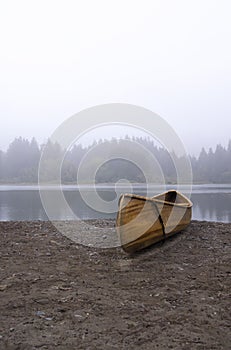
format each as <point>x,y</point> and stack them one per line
<point>170,56</point>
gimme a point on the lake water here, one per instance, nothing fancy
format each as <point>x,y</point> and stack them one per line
<point>210,202</point>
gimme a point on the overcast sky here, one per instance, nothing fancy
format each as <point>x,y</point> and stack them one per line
<point>170,56</point>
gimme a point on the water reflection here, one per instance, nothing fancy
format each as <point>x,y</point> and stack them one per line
<point>214,204</point>
<point>21,205</point>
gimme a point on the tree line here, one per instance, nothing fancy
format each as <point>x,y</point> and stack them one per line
<point>19,164</point>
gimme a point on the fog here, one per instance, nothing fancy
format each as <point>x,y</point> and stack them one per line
<point>172,57</point>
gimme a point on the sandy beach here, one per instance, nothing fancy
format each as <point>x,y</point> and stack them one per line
<point>57,294</point>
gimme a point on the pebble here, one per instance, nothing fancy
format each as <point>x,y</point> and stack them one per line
<point>3,287</point>
<point>40,313</point>
<point>42,301</point>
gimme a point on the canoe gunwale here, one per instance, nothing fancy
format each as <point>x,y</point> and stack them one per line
<point>180,205</point>
<point>187,204</point>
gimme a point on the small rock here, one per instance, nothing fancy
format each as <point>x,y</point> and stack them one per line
<point>93,253</point>
<point>54,242</point>
<point>3,287</point>
<point>62,310</point>
<point>42,301</point>
<point>64,288</point>
<point>131,324</point>
<point>40,313</point>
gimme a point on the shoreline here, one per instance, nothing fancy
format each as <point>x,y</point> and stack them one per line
<point>111,184</point>
<point>99,221</point>
<point>58,294</point>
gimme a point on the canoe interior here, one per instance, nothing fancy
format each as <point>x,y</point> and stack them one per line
<point>142,221</point>
<point>173,197</point>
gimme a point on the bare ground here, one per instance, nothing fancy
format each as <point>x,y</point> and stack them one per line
<point>56,294</point>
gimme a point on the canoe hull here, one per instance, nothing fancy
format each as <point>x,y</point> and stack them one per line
<point>143,221</point>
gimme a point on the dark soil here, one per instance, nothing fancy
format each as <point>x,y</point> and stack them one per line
<point>56,294</point>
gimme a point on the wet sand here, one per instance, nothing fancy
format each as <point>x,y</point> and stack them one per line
<point>57,294</point>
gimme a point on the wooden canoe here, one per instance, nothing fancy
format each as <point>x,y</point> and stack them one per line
<point>142,221</point>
